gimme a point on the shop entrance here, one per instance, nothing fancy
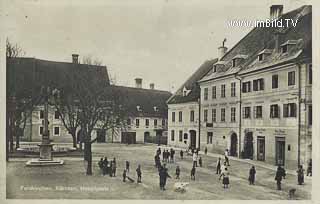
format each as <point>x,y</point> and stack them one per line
<point>280,151</point>
<point>248,146</point>
<point>261,148</point>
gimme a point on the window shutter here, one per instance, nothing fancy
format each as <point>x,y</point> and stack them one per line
<point>271,115</point>
<point>285,110</point>
<point>294,110</point>
<point>262,84</point>
<point>278,111</point>
<point>249,86</point>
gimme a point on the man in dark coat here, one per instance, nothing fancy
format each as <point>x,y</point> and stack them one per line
<point>100,164</point>
<point>181,154</point>
<point>218,171</point>
<point>163,155</point>
<point>127,166</point>
<point>124,175</point>
<point>300,173</point>
<point>193,173</point>
<point>105,166</point>
<point>279,175</point>
<point>178,172</point>
<point>139,174</point>
<point>252,175</point>
<point>163,174</point>
<point>200,162</point>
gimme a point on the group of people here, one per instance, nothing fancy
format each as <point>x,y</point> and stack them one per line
<point>108,167</point>
<point>166,155</point>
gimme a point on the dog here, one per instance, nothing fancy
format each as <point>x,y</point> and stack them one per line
<point>292,191</point>
<point>180,187</point>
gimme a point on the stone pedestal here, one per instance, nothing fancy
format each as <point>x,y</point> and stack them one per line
<point>45,151</point>
<point>46,158</point>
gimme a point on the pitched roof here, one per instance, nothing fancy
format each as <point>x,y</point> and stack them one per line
<point>26,76</point>
<point>191,84</point>
<point>147,99</point>
<point>260,38</point>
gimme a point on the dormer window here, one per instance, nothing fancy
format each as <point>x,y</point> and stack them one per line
<point>155,108</point>
<point>260,57</point>
<point>214,68</point>
<point>234,63</point>
<point>263,54</point>
<point>284,48</point>
<point>238,59</point>
<point>139,108</point>
<point>185,91</point>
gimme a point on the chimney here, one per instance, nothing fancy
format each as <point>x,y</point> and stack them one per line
<point>222,50</point>
<point>275,11</point>
<point>75,58</point>
<point>138,82</point>
<point>152,86</point>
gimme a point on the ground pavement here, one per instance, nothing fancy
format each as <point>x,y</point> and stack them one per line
<point>70,181</point>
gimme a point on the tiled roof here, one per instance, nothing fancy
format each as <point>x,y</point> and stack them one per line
<point>261,38</point>
<point>146,99</point>
<point>191,84</point>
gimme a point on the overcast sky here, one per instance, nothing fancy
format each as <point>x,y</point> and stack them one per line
<point>161,41</point>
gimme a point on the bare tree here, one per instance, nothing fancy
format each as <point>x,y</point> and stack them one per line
<point>88,59</point>
<point>13,50</point>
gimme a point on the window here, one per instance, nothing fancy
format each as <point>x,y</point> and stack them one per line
<point>192,116</point>
<point>223,114</point>
<point>291,78</point>
<point>205,94</point>
<point>214,92</point>
<point>180,136</point>
<point>233,89</point>
<point>234,63</point>
<point>223,90</point>
<point>284,48</point>
<point>258,85</point>
<point>233,114</point>
<point>147,122</point>
<point>214,115</point>
<point>163,122</point>
<point>214,68</point>
<point>56,115</point>
<point>155,122</point>
<point>56,131</point>
<point>247,111</point>
<point>209,137</point>
<point>310,74</point>
<point>260,57</point>
<point>40,130</point>
<point>137,123</point>
<point>274,111</point>
<point>258,111</point>
<point>246,87</point>
<point>180,116</point>
<point>185,136</point>
<point>41,114</point>
<point>289,110</point>
<point>275,81</point>
<point>205,115</point>
<point>128,121</point>
<point>172,135</point>
<point>173,117</point>
<point>310,115</point>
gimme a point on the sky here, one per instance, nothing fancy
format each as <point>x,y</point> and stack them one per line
<point>161,41</point>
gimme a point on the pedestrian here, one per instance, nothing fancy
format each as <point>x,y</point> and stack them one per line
<point>111,168</point>
<point>279,176</point>
<point>172,152</point>
<point>181,154</point>
<point>205,150</point>
<point>195,158</point>
<point>163,155</point>
<point>100,164</point>
<point>193,173</point>
<point>309,169</point>
<point>300,173</point>
<point>200,161</point>
<point>105,166</point>
<point>158,163</point>
<point>127,166</point>
<point>124,175</point>
<point>225,179</point>
<point>159,151</point>
<point>167,156</point>
<point>177,172</point>
<point>222,168</point>
<point>163,175</point>
<point>226,157</point>
<point>139,173</point>
<point>218,167</point>
<point>114,169</point>
<point>252,175</point>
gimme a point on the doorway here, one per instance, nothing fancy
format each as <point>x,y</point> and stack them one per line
<point>233,145</point>
<point>147,138</point>
<point>101,136</point>
<point>280,151</point>
<point>193,139</point>
<point>128,137</point>
<point>248,145</point>
<point>261,148</point>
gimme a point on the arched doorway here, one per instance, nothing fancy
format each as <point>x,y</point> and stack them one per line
<point>248,145</point>
<point>233,145</point>
<point>146,137</point>
<point>193,139</point>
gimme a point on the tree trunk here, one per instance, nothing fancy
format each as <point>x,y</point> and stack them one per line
<point>17,140</point>
<point>74,139</point>
<point>88,156</point>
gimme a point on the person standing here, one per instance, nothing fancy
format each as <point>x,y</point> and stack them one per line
<point>223,167</point>
<point>205,150</point>
<point>139,174</point>
<point>127,166</point>
<point>181,154</point>
<point>309,169</point>
<point>279,175</point>
<point>225,179</point>
<point>218,166</point>
<point>114,167</point>
<point>111,168</point>
<point>105,166</point>
<point>300,173</point>
<point>159,151</point>
<point>178,172</point>
<point>252,175</point>
<point>163,155</point>
<point>200,161</point>
<point>193,173</point>
<point>195,158</point>
<point>100,164</point>
<point>226,157</point>
<point>124,175</point>
<point>163,175</point>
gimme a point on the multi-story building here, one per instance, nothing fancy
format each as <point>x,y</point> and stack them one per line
<point>183,110</point>
<point>260,100</point>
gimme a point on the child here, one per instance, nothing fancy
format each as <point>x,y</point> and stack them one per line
<point>225,180</point>
<point>124,175</point>
<point>127,166</point>
<point>178,172</point>
<point>138,170</point>
<point>193,173</point>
